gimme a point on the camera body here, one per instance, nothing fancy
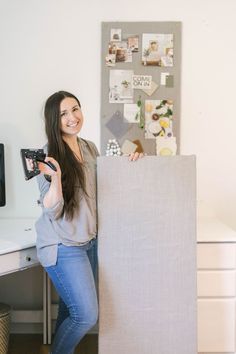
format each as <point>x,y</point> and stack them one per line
<point>30,159</point>
<point>34,154</point>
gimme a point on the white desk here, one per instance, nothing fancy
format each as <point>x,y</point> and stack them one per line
<point>18,252</point>
<point>17,245</point>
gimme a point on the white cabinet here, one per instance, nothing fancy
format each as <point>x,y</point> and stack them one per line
<point>17,245</point>
<point>18,260</point>
<point>216,297</point>
<point>216,326</point>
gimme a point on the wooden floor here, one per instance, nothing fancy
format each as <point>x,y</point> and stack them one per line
<point>32,344</point>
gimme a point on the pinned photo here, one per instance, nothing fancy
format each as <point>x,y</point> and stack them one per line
<point>121,51</point>
<point>166,146</point>
<point>132,112</point>
<point>120,88</point>
<point>115,34</point>
<point>157,49</point>
<point>133,43</point>
<point>158,118</point>
<point>110,60</point>
<point>163,78</point>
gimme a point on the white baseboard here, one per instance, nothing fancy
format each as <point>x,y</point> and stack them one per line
<point>27,316</point>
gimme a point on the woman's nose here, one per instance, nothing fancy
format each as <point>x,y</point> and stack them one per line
<point>72,116</point>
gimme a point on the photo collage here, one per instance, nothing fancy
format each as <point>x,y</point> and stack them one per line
<point>153,114</point>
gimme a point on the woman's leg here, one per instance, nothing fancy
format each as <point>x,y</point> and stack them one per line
<point>73,279</point>
<point>63,313</point>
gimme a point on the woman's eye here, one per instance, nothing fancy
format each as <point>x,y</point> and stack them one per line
<point>75,109</point>
<point>63,114</point>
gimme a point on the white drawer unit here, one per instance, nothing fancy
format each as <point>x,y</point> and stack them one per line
<point>216,283</point>
<point>216,298</point>
<point>18,260</point>
<point>216,256</point>
<point>216,326</point>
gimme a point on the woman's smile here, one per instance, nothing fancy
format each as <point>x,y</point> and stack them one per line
<point>71,116</point>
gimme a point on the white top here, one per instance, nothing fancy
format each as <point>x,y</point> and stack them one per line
<point>16,234</point>
<point>210,228</point>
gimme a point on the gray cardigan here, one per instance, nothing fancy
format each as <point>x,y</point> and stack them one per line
<point>82,228</point>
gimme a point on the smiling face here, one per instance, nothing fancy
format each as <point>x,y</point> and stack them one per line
<point>71,117</point>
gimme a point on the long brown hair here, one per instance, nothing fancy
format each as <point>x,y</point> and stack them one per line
<point>72,170</point>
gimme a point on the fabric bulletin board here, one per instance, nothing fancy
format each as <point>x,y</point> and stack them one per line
<point>147,255</point>
<point>140,87</point>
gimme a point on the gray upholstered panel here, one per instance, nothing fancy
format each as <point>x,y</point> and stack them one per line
<point>147,255</point>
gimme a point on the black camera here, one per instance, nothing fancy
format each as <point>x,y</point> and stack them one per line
<point>30,159</point>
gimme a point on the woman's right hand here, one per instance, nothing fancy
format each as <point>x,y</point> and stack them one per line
<point>54,194</point>
<point>46,170</point>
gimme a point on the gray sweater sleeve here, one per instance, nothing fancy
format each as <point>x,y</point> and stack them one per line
<point>44,186</point>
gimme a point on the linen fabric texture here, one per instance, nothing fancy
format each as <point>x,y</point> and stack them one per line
<point>147,255</point>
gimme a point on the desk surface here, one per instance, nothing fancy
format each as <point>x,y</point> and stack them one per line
<point>211,229</point>
<point>16,234</point>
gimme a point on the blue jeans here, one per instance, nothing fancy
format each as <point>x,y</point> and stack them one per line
<point>73,279</point>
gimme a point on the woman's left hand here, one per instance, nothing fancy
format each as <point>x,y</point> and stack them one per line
<point>135,156</point>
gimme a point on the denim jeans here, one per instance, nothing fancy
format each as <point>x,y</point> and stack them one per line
<point>73,278</point>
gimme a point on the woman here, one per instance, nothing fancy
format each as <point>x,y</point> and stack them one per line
<point>67,228</point>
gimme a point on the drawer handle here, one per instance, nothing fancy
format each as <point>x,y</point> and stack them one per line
<point>28,258</point>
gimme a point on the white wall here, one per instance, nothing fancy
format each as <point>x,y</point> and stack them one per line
<point>49,45</point>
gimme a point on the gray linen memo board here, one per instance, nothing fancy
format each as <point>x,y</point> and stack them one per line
<point>113,123</point>
<point>147,255</point>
